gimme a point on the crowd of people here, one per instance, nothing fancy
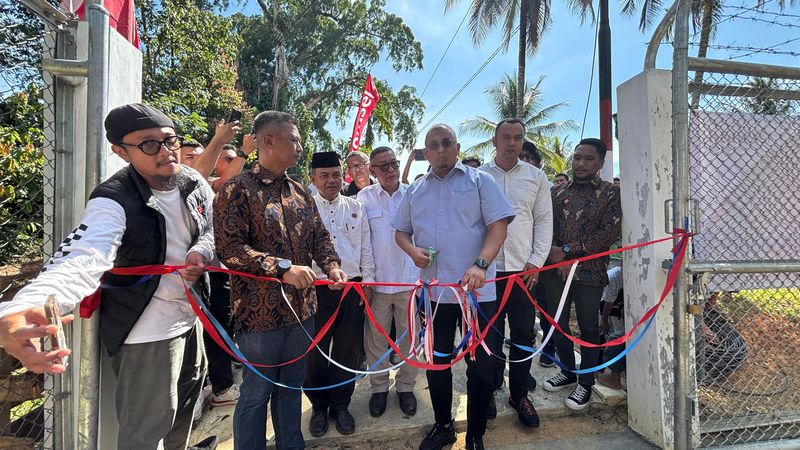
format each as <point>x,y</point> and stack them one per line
<point>180,203</point>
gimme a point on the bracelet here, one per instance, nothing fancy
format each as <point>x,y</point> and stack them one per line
<point>241,154</point>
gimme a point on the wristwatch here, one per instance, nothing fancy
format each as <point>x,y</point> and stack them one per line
<point>566,249</point>
<point>241,154</point>
<point>283,266</point>
<point>481,263</point>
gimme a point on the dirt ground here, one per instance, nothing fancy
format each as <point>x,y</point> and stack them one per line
<point>509,434</point>
<point>767,380</point>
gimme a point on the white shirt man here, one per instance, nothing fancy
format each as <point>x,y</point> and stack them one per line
<point>346,221</point>
<point>526,248</point>
<point>392,264</point>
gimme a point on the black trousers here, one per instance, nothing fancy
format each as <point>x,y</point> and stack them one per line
<point>587,301</point>
<point>480,373</point>
<point>220,372</point>
<point>521,316</point>
<point>541,299</point>
<point>344,342</point>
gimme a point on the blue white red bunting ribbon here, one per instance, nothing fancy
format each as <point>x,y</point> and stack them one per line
<point>421,340</point>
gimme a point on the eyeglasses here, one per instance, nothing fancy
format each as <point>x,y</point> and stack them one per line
<point>385,167</point>
<point>151,147</point>
<point>357,167</point>
<point>446,143</point>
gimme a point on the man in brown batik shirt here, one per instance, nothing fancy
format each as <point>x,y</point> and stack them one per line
<point>587,219</point>
<point>267,224</point>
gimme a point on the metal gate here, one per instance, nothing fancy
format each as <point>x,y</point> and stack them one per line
<point>744,184</point>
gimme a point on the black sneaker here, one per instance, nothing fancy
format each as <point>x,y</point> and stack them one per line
<point>525,411</point>
<point>558,382</point>
<point>474,443</point>
<point>579,399</point>
<point>546,361</point>
<point>491,412</point>
<point>439,436</point>
<point>319,423</point>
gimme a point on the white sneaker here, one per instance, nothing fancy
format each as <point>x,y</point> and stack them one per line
<point>579,399</point>
<point>229,397</point>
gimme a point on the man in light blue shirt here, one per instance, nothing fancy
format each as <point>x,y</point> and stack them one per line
<point>462,214</point>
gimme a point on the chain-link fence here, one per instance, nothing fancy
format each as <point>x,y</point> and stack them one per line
<point>743,132</point>
<point>25,207</point>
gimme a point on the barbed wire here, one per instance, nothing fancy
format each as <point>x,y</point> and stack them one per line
<point>761,11</point>
<point>754,50</point>
<point>751,50</point>
<point>768,22</point>
<point>744,10</point>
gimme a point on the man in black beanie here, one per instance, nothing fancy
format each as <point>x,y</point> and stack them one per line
<point>153,211</point>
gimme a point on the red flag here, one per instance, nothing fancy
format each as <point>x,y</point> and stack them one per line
<point>121,16</point>
<point>368,101</point>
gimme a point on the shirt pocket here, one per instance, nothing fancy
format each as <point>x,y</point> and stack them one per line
<point>463,196</point>
<point>377,221</point>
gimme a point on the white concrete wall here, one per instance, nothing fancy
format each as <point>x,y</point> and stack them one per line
<point>644,106</point>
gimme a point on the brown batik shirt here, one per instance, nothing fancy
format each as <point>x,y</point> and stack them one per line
<point>259,218</point>
<point>589,215</point>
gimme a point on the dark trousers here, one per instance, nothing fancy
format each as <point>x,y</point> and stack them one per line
<point>610,352</point>
<point>587,301</point>
<point>480,373</point>
<point>219,361</point>
<point>344,342</point>
<point>250,416</point>
<point>521,315</point>
<point>541,299</point>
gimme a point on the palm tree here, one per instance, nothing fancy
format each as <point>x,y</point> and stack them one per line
<point>503,98</point>
<point>763,102</point>
<point>532,18</point>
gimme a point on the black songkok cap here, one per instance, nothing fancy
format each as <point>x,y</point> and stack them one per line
<point>325,159</point>
<point>133,117</point>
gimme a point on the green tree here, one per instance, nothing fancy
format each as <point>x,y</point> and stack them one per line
<point>764,101</point>
<point>21,174</point>
<point>503,99</point>
<point>531,17</point>
<point>314,56</point>
<point>189,63</point>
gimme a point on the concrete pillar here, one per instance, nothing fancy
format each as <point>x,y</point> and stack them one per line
<point>645,164</point>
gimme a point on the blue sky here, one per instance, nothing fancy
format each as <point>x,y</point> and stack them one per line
<point>564,58</point>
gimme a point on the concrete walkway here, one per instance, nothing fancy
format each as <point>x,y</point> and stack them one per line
<point>395,430</point>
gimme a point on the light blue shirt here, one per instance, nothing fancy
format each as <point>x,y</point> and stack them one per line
<point>451,214</point>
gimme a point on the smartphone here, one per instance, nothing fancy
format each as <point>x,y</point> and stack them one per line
<point>234,116</point>
<point>53,315</point>
<point>418,155</point>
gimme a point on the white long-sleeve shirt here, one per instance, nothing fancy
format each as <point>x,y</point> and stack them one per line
<point>75,269</point>
<point>346,221</point>
<point>392,264</point>
<point>530,235</point>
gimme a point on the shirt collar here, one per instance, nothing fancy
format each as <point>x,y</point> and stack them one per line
<point>327,202</point>
<point>267,177</point>
<point>400,189</point>
<point>493,164</point>
<point>458,166</point>
<point>595,182</point>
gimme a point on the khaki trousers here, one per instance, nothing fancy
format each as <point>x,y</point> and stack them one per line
<point>386,306</point>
